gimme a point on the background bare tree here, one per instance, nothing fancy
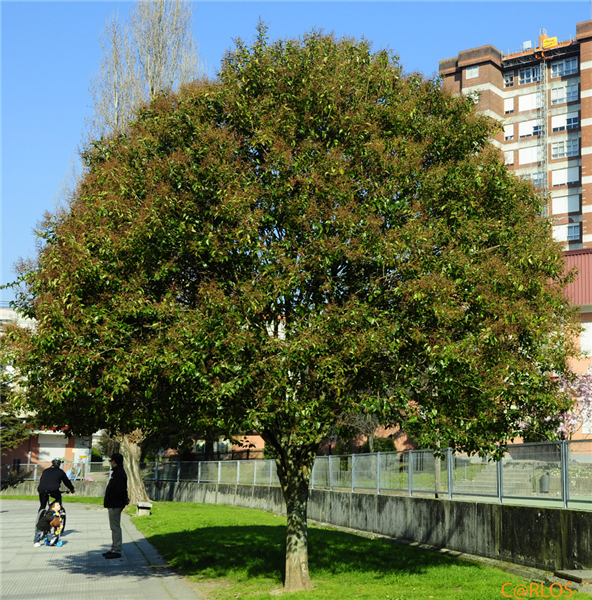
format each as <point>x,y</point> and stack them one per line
<point>154,50</point>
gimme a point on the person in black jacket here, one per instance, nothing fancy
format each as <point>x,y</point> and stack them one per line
<point>49,484</point>
<point>116,499</point>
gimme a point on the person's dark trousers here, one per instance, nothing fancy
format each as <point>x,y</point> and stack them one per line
<point>115,525</point>
<point>44,498</point>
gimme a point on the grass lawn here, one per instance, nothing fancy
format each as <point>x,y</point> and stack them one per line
<point>239,553</point>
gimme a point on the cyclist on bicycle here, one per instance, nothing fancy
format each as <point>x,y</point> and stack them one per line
<point>49,484</point>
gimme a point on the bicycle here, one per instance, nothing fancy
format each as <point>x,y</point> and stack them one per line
<point>56,541</point>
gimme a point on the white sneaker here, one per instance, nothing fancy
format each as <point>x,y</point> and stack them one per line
<point>36,544</point>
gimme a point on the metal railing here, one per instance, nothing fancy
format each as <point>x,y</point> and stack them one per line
<point>557,472</point>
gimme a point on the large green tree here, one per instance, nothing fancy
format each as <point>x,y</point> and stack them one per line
<point>312,233</point>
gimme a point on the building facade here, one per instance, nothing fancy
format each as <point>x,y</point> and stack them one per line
<point>541,93</point>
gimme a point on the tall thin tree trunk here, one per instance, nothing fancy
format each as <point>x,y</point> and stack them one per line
<point>294,470</point>
<point>131,451</point>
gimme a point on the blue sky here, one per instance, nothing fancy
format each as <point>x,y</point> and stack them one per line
<point>50,49</point>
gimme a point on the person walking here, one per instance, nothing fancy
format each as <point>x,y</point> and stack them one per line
<point>49,484</point>
<point>116,499</point>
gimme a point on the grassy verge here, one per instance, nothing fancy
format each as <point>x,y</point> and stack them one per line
<point>68,499</point>
<point>239,553</point>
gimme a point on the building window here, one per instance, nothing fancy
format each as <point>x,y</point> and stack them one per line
<point>573,122</point>
<point>565,148</point>
<point>508,133</point>
<point>529,75</point>
<point>530,101</point>
<point>567,66</point>
<point>508,105</point>
<point>509,79</point>
<point>565,93</point>
<point>536,178</point>
<point>472,72</point>
<point>573,232</point>
<point>586,345</point>
<point>567,176</point>
<point>566,121</point>
<point>572,92</point>
<point>509,157</point>
<point>529,155</point>
<point>529,128</point>
<point>566,204</point>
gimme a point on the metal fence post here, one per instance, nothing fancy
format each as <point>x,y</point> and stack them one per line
<point>564,473</point>
<point>312,476</point>
<point>156,471</point>
<point>199,472</point>
<point>270,472</point>
<point>237,472</point>
<point>35,473</point>
<point>330,474</point>
<point>254,472</point>
<point>178,471</point>
<point>500,480</point>
<point>449,470</point>
<point>353,484</point>
<point>219,471</point>
<point>378,472</point>
<point>410,471</point>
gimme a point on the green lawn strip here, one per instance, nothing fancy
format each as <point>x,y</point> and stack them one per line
<point>242,551</point>
<point>68,499</point>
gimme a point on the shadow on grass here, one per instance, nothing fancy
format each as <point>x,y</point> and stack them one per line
<point>259,551</point>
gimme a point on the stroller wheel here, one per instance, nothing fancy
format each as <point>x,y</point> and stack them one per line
<point>59,544</point>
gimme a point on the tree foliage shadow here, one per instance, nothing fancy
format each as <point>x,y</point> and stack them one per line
<point>259,551</point>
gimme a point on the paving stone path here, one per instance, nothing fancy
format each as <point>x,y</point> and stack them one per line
<point>78,570</point>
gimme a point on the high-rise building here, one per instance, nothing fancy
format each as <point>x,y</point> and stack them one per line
<point>541,92</point>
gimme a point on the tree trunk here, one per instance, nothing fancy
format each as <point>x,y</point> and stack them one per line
<point>294,469</point>
<point>131,451</point>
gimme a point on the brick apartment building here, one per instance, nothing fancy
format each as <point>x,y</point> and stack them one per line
<point>542,95</point>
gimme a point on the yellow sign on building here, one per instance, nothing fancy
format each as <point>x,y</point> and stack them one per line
<point>549,43</point>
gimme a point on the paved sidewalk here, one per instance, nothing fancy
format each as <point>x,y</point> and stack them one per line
<point>78,570</point>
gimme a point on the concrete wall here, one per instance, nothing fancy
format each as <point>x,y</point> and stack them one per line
<point>546,538</point>
<point>92,489</point>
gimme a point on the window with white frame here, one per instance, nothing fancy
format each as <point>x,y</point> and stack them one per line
<point>572,92</point>
<point>529,75</point>
<point>565,121</point>
<point>536,178</point>
<point>472,72</point>
<point>529,101</point>
<point>567,66</point>
<point>509,79</point>
<point>565,148</point>
<point>508,106</point>
<point>567,233</point>
<point>565,176</point>
<point>586,337</point>
<point>509,157</point>
<point>566,204</point>
<point>529,128</point>
<point>558,95</point>
<point>509,132</point>
<point>564,93</point>
<point>529,155</point>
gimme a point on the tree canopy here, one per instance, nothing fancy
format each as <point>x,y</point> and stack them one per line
<point>311,233</point>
